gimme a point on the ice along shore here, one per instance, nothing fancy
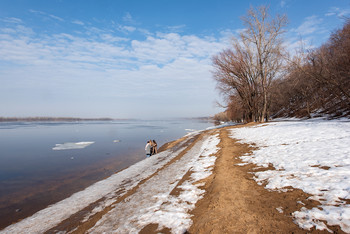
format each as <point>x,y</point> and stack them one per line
<point>281,177</point>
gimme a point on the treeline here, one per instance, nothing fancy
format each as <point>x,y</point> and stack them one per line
<point>259,81</point>
<point>50,119</point>
<point>318,83</point>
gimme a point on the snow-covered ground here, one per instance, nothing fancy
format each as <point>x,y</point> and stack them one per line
<point>310,155</point>
<point>151,203</point>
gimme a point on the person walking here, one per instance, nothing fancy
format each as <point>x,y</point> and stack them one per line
<point>148,149</point>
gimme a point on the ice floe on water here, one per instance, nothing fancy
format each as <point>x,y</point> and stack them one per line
<point>73,145</point>
<point>310,155</point>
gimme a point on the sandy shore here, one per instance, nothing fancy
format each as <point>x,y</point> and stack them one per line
<point>232,203</point>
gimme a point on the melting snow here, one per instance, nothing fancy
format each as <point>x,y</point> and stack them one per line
<point>310,155</point>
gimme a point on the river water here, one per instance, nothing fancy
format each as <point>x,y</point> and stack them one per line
<point>44,162</point>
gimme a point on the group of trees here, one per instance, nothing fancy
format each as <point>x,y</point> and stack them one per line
<point>318,81</point>
<point>259,80</point>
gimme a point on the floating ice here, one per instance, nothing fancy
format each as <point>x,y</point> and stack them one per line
<point>72,145</point>
<point>190,130</point>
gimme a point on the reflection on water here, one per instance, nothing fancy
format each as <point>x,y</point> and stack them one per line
<point>33,174</point>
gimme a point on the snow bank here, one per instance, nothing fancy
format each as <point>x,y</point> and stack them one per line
<point>72,145</point>
<point>310,155</point>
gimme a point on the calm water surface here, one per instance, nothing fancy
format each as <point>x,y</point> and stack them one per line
<point>33,175</point>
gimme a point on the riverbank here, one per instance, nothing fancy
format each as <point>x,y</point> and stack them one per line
<point>197,184</point>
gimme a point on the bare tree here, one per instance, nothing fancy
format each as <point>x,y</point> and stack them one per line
<point>263,36</point>
<point>234,79</point>
<point>254,61</point>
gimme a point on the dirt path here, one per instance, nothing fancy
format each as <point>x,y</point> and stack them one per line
<point>234,203</point>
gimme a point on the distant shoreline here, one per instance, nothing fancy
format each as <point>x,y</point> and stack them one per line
<point>52,119</point>
<point>73,119</point>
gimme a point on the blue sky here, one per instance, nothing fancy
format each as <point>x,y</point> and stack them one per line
<point>128,58</point>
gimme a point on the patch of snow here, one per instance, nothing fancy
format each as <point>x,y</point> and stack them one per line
<point>222,125</point>
<point>280,210</point>
<point>242,164</point>
<point>190,130</point>
<point>72,145</point>
<point>311,155</point>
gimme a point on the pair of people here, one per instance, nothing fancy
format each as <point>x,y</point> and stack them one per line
<point>151,148</point>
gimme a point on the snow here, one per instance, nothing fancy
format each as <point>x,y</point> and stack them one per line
<point>310,155</point>
<point>152,202</point>
<point>72,145</point>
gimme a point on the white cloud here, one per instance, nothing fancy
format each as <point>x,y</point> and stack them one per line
<point>112,39</point>
<point>127,28</point>
<point>312,24</point>
<point>78,22</point>
<point>176,28</point>
<point>345,12</point>
<point>56,17</point>
<point>12,20</point>
<point>283,3</point>
<point>46,15</point>
<point>128,18</point>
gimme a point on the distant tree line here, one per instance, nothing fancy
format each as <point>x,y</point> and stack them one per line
<point>53,119</point>
<point>260,81</point>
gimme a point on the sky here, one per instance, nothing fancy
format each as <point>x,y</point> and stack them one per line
<point>132,59</point>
